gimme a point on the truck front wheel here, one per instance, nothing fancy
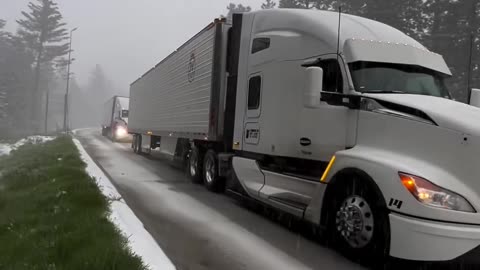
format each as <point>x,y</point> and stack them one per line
<point>211,179</point>
<point>358,221</point>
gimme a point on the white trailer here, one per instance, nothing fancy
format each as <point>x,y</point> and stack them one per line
<point>115,118</point>
<point>351,130</point>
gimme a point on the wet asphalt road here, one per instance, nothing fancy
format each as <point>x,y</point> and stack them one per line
<point>198,229</point>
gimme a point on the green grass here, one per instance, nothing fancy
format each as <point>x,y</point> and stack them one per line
<point>52,215</point>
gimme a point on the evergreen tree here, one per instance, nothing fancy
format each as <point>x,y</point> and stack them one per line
<point>234,8</point>
<point>99,90</point>
<point>15,83</point>
<point>3,89</point>
<point>45,35</point>
<point>2,25</point>
<point>302,4</point>
<point>269,4</point>
<point>450,30</point>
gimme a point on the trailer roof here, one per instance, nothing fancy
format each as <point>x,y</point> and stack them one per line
<point>206,28</point>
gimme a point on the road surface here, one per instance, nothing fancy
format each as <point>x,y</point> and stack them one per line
<point>198,229</point>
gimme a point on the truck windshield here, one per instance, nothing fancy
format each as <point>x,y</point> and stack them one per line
<point>373,77</point>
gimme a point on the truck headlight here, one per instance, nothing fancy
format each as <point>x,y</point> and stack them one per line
<point>121,131</point>
<point>430,194</point>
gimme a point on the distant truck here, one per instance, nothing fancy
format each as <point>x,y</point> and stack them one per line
<point>115,118</point>
<point>354,130</point>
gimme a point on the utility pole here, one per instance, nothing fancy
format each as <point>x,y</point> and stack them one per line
<point>65,109</point>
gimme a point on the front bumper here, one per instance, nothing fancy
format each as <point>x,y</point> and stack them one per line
<point>425,240</point>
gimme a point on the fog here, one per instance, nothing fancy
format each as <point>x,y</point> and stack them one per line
<point>116,43</point>
<point>127,38</point>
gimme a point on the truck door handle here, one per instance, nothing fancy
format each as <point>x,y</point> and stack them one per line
<point>305,141</point>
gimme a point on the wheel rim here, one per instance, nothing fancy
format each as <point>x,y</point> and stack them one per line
<point>209,170</point>
<point>354,221</point>
<point>193,164</point>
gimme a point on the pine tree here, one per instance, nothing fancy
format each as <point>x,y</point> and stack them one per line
<point>302,4</point>
<point>234,8</point>
<point>99,90</point>
<point>450,27</point>
<point>269,4</point>
<point>45,35</point>
<point>3,89</point>
<point>15,83</point>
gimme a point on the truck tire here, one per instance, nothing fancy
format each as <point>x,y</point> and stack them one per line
<point>212,181</point>
<point>104,133</point>
<point>358,223</point>
<point>113,136</point>
<point>138,144</point>
<point>195,165</point>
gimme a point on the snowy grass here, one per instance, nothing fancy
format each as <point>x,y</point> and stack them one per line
<point>7,148</point>
<point>52,214</point>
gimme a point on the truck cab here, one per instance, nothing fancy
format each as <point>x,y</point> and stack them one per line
<point>115,119</point>
<point>355,131</point>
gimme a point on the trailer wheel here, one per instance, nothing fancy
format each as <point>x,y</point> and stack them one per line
<point>138,144</point>
<point>211,179</point>
<point>358,223</point>
<point>195,162</point>
<point>113,135</point>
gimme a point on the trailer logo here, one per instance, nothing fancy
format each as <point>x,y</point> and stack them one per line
<point>192,66</point>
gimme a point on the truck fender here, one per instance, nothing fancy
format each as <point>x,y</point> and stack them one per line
<point>383,169</point>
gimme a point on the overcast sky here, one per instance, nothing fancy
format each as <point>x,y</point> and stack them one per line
<point>127,37</point>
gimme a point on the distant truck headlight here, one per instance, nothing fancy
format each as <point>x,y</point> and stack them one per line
<point>430,194</point>
<point>121,131</point>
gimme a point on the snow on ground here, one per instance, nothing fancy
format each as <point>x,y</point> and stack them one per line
<point>5,148</point>
<point>140,241</point>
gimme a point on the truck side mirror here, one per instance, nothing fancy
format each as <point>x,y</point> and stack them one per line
<point>313,87</point>
<point>475,98</point>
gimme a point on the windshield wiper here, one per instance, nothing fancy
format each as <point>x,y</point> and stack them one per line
<point>385,92</point>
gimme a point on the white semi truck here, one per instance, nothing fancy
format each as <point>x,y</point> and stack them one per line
<point>351,130</point>
<point>115,118</point>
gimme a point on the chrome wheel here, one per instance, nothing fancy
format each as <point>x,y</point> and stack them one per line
<point>193,164</point>
<point>354,220</point>
<point>209,170</point>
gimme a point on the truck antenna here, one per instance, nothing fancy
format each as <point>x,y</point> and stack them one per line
<point>338,47</point>
<point>339,28</point>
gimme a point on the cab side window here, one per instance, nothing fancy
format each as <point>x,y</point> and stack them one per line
<point>260,44</point>
<point>332,76</point>
<point>254,88</point>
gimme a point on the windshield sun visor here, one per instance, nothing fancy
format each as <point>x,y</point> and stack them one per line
<point>388,52</point>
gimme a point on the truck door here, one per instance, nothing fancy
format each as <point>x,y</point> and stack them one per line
<point>254,108</point>
<point>324,130</point>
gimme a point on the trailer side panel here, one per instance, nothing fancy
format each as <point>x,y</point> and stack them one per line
<point>176,98</point>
